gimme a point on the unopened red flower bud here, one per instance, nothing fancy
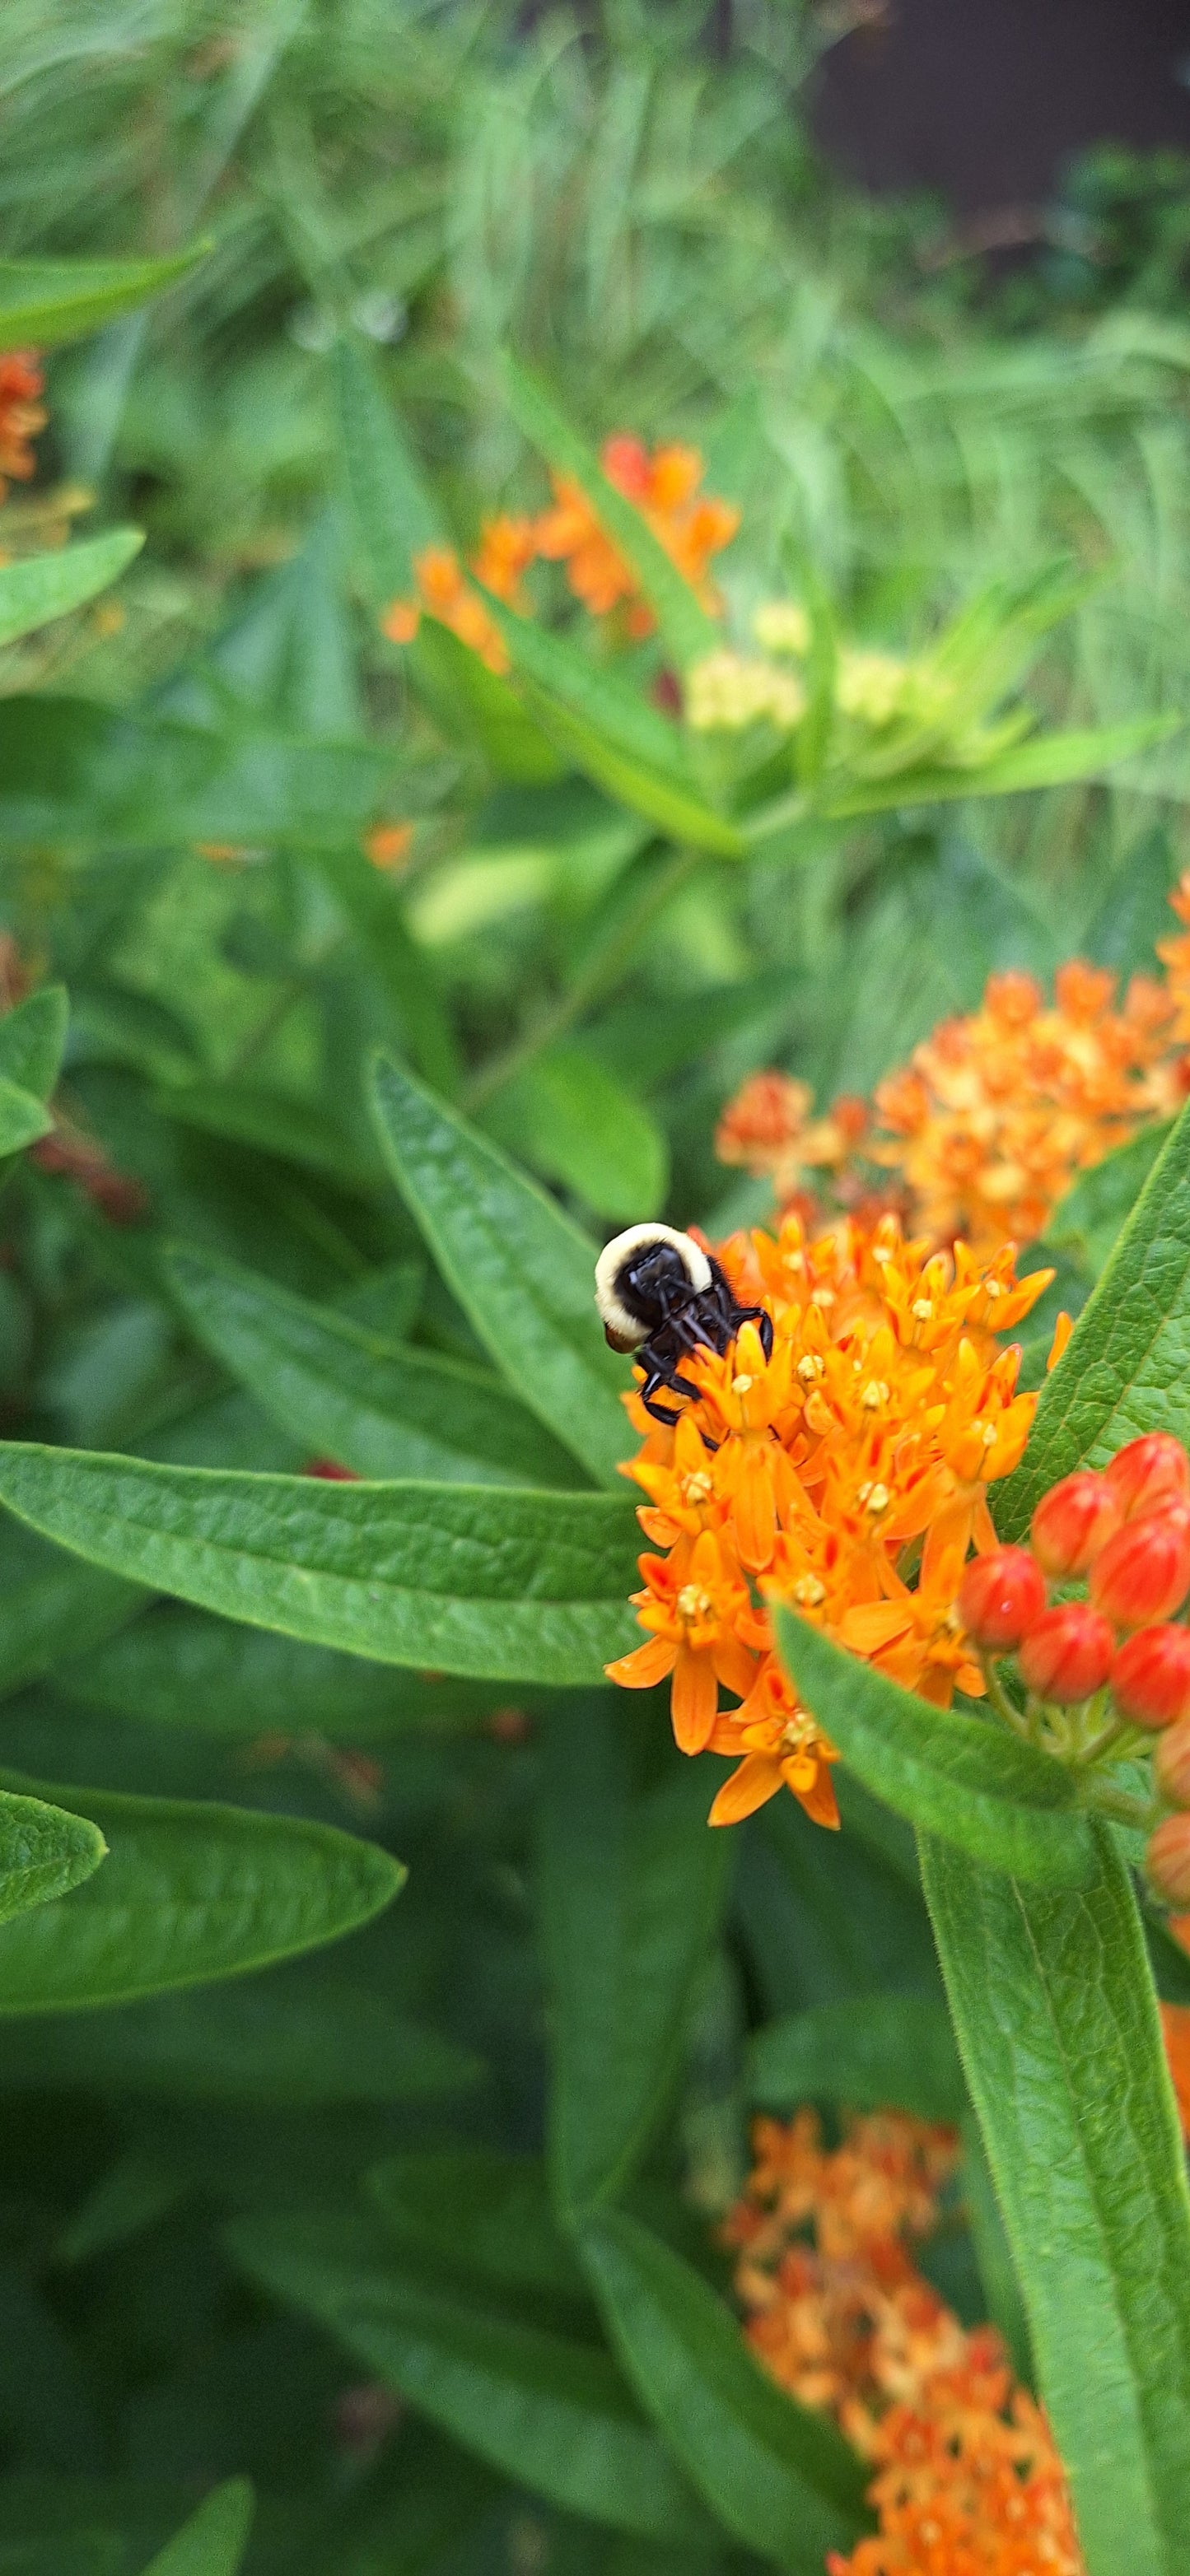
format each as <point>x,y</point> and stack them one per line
<point>1171,1763</point>
<point>1073,1522</point>
<point>1000,1596</point>
<point>1067,1653</point>
<point>1167,1860</point>
<point>1150,1676</point>
<point>1151,1471</point>
<point>1143,1573</point>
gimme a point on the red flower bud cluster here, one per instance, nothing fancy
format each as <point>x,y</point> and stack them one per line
<point>1125,1533</point>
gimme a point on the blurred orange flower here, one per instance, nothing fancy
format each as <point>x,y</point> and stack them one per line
<point>22,414</point>
<point>664,488</point>
<point>967,2480</point>
<point>996,1113</point>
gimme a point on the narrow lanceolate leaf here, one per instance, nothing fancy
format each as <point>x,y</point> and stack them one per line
<point>615,737</point>
<point>686,627</point>
<point>180,1667</point>
<point>485,1580</point>
<point>43,1852</point>
<point>394,516</point>
<point>480,2212</point>
<point>43,301</point>
<point>51,1605</point>
<point>357,1398</point>
<point>301,2038</point>
<point>187,1894</point>
<point>393,512</point>
<point>523,1274</point>
<point>966,1778</point>
<point>547,2411</point>
<point>1049,760</point>
<point>780,2480</point>
<point>74,771</point>
<point>376,912</point>
<point>1054,2011</point>
<point>213,2542</point>
<point>39,587</point>
<point>1126,1367</point>
<point>32,1039</point>
<point>631,1887</point>
<point>878,2049</point>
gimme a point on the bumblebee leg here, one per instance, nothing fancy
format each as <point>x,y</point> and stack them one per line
<point>763,1322</point>
<point>648,1396</point>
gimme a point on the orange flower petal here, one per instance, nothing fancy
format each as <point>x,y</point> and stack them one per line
<point>647,1664</point>
<point>756,1781</point>
<point>694,1699</point>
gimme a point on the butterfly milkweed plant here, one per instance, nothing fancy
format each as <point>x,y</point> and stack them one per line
<point>594,1893</point>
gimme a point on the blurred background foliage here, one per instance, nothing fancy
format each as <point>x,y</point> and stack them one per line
<point>629,196</point>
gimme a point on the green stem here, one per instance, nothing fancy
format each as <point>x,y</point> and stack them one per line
<point>1000,1700</point>
<point>1107,1801</point>
<point>603,969</point>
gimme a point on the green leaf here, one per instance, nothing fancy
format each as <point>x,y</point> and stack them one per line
<point>631,1888</point>
<point>1126,1367</point>
<point>1087,1221</point>
<point>780,2480</point>
<point>613,735</point>
<point>43,1852</point>
<point>51,1606</point>
<point>187,1894</point>
<point>75,772</point>
<point>963,1777</point>
<point>1134,913</point>
<point>1053,2007</point>
<point>213,2542</point>
<point>377,915</point>
<point>32,1040</point>
<point>181,1667</point>
<point>1048,760</point>
<point>395,516</point>
<point>483,2213</point>
<point>547,2411</point>
<point>292,1131</point>
<point>470,1579</point>
<point>22,1118</point>
<point>686,628</point>
<point>394,513</point>
<point>879,2049</point>
<point>301,2036</point>
<point>576,1124</point>
<point>356,1397</point>
<point>522,1273</point>
<point>993,2253</point>
<point>43,301</point>
<point>37,588</point>
<point>477,707</point>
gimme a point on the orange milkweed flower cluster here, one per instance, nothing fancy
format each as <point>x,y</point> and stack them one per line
<point>967,2481</point>
<point>664,486</point>
<point>997,1112</point>
<point>22,415</point>
<point>847,1475</point>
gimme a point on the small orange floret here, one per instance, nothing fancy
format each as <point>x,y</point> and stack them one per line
<point>444,593</point>
<point>664,488</point>
<point>388,845</point>
<point>844,1472</point>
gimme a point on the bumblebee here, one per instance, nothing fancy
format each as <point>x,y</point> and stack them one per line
<point>660,1295</point>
